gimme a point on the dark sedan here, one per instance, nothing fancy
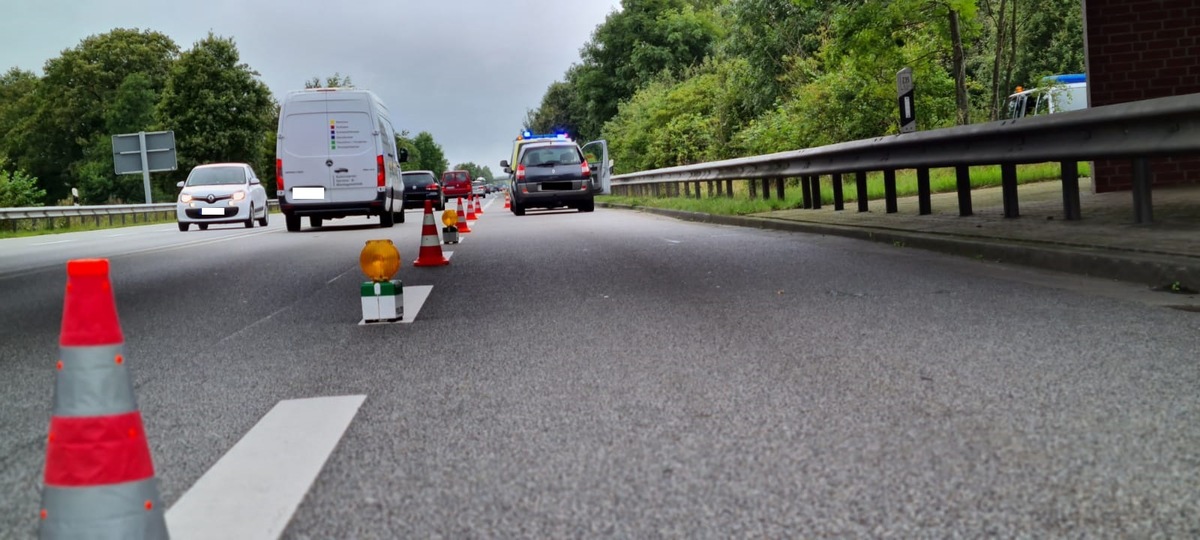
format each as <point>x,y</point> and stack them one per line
<point>421,186</point>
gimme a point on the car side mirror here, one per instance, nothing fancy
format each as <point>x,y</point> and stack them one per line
<point>255,181</point>
<point>504,163</point>
<point>507,170</point>
<point>403,155</point>
<point>180,184</point>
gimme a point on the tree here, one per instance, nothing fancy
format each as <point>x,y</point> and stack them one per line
<point>218,108</point>
<point>131,111</point>
<point>403,141</point>
<point>333,81</point>
<point>430,154</point>
<point>478,173</point>
<point>17,188</point>
<point>67,110</point>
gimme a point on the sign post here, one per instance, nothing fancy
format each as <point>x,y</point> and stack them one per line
<point>908,109</point>
<point>144,153</point>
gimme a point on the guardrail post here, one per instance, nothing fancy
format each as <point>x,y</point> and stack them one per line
<point>753,187</point>
<point>805,192</point>
<point>816,191</point>
<point>779,188</point>
<point>889,190</point>
<point>860,184</point>
<point>1143,210</point>
<point>687,189</point>
<point>838,199</point>
<point>962,181</point>
<point>1070,187</point>
<point>729,188</point>
<point>697,184</point>
<point>923,197</point>
<point>766,189</point>
<point>720,188</point>
<point>710,188</point>
<point>1008,188</point>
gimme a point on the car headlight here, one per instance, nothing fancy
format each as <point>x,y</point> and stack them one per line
<point>184,197</point>
<point>239,195</point>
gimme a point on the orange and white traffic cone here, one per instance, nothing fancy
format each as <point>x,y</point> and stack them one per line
<point>431,243</point>
<point>99,478</point>
<point>471,209</point>
<point>478,207</point>
<point>507,204</point>
<point>462,226</point>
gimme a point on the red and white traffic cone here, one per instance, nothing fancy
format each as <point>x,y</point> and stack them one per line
<point>431,243</point>
<point>507,204</point>
<point>478,207</point>
<point>99,478</point>
<point>462,225</point>
<point>471,209</point>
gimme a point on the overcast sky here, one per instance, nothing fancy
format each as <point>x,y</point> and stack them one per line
<point>463,70</point>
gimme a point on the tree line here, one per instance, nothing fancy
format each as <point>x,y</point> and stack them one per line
<point>56,129</point>
<point>673,82</point>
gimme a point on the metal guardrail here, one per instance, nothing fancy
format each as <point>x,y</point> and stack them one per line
<point>1137,130</point>
<point>10,217</point>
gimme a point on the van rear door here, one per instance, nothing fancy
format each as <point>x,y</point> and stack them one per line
<point>352,146</point>
<point>304,150</point>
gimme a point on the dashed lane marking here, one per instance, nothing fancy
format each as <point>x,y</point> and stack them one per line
<point>254,489</point>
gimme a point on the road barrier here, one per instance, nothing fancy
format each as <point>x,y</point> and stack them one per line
<point>1136,131</point>
<point>50,217</point>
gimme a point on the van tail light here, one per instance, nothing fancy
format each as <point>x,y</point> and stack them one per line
<point>520,172</point>
<point>380,176</point>
<point>279,174</point>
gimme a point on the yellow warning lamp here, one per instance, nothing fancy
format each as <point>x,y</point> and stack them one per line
<point>1020,89</point>
<point>450,217</point>
<point>379,260</point>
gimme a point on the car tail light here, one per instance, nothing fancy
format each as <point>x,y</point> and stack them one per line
<point>520,172</point>
<point>583,168</point>
<point>433,187</point>
<point>279,174</point>
<point>380,177</point>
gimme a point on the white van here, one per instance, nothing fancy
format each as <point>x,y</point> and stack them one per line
<point>336,156</point>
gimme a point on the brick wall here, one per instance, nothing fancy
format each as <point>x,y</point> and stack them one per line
<point>1142,49</point>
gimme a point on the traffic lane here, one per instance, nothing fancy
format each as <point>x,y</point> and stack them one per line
<point>187,312</point>
<point>637,376</point>
<point>33,253</point>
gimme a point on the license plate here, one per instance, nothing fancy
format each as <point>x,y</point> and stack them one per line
<point>212,211</point>
<point>308,193</point>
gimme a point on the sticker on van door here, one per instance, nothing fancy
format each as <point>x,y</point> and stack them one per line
<point>345,139</point>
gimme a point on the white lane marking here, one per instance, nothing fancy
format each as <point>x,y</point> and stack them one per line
<point>50,243</point>
<point>447,254</point>
<point>115,235</point>
<point>673,241</point>
<point>339,276</point>
<point>414,297</point>
<point>253,490</point>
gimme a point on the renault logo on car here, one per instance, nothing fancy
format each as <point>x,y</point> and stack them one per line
<point>211,198</point>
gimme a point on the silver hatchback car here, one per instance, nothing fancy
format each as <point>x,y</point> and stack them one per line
<point>221,193</point>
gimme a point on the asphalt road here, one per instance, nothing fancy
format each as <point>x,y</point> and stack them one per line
<point>618,374</point>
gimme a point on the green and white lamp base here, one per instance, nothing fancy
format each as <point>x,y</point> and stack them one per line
<point>382,302</point>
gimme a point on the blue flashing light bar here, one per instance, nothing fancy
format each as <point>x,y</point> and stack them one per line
<point>1066,78</point>
<point>530,135</point>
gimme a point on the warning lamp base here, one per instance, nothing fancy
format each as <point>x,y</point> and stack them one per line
<point>382,302</point>
<point>449,235</point>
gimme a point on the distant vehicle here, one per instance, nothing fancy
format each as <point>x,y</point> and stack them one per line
<point>478,189</point>
<point>551,174</point>
<point>1057,93</point>
<point>456,184</point>
<point>336,156</point>
<point>221,193</point>
<point>596,153</point>
<point>421,186</point>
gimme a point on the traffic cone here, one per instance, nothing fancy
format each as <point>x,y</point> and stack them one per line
<point>462,226</point>
<point>507,205</point>
<point>471,209</point>
<point>478,207</point>
<point>431,243</point>
<point>99,478</point>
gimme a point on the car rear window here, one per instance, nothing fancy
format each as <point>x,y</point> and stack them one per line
<point>550,156</point>
<point>217,176</point>
<point>455,177</point>
<point>418,179</point>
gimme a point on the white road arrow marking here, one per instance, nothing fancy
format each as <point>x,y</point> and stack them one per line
<point>253,490</point>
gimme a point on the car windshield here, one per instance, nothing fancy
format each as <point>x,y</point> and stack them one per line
<point>217,176</point>
<point>549,157</point>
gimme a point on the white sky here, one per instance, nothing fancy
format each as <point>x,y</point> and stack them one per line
<point>463,70</point>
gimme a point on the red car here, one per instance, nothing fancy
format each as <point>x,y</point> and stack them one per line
<point>456,184</point>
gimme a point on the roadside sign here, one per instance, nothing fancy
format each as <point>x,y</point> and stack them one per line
<point>144,153</point>
<point>908,110</point>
